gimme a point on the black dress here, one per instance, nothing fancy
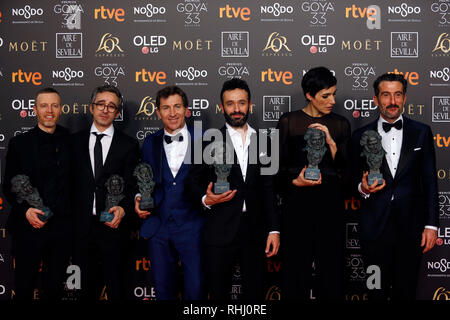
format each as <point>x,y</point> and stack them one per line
<point>312,217</point>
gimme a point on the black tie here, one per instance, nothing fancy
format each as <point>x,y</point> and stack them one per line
<point>98,155</point>
<point>177,137</point>
<point>388,126</point>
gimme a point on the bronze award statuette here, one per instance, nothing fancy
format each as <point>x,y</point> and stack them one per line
<point>374,153</point>
<point>114,185</point>
<point>21,186</point>
<point>144,176</point>
<point>315,148</point>
<point>221,167</point>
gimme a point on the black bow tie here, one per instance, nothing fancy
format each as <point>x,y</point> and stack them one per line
<point>388,126</point>
<point>177,137</point>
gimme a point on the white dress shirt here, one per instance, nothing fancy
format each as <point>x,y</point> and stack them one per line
<point>106,144</point>
<point>176,151</point>
<point>392,144</point>
<point>241,149</point>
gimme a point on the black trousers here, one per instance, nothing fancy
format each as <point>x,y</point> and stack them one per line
<point>29,249</point>
<point>219,263</point>
<point>100,258</point>
<point>303,244</point>
<point>397,253</point>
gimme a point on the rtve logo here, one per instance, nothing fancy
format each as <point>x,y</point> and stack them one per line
<point>411,76</point>
<point>441,141</point>
<point>26,77</point>
<point>232,12</point>
<point>372,13</point>
<point>277,76</point>
<point>151,76</point>
<point>106,13</point>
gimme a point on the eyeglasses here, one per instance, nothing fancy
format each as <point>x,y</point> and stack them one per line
<point>110,107</point>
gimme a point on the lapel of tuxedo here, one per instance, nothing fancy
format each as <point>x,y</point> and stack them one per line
<point>85,157</point>
<point>158,151</point>
<point>409,137</point>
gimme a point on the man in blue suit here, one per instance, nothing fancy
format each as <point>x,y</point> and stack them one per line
<point>399,218</point>
<point>174,226</point>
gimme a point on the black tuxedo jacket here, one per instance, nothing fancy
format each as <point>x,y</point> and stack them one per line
<point>22,158</point>
<point>222,221</point>
<point>414,186</point>
<point>122,158</point>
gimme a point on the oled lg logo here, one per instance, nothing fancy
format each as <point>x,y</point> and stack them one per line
<point>25,107</point>
<point>360,108</point>
<point>150,44</point>
<point>372,13</point>
<point>318,43</point>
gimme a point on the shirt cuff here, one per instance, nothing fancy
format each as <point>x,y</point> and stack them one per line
<point>432,228</point>
<point>362,193</point>
<point>277,232</point>
<point>204,204</point>
<point>137,195</point>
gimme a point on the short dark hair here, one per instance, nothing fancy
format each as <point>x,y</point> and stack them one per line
<point>108,88</point>
<point>170,91</point>
<point>46,90</point>
<point>389,77</point>
<point>317,79</point>
<point>235,83</point>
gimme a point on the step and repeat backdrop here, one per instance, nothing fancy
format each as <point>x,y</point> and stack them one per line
<point>142,45</point>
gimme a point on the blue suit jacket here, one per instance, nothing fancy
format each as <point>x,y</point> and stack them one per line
<point>153,153</point>
<point>414,186</point>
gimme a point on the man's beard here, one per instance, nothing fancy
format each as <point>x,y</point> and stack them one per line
<point>236,122</point>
